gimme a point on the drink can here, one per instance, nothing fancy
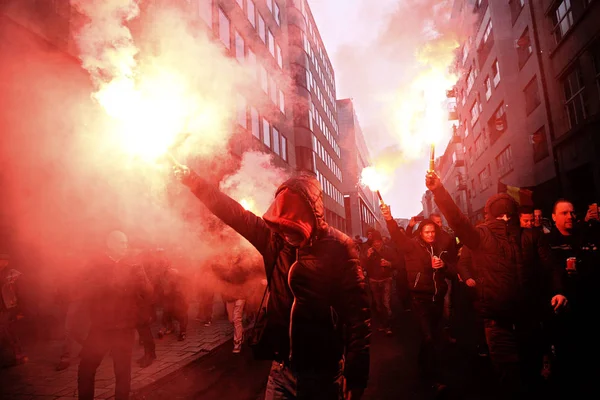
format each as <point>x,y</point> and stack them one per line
<point>571,264</point>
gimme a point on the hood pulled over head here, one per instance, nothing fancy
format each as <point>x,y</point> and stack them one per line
<point>298,206</point>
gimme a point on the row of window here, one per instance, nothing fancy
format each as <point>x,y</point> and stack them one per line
<point>326,158</point>
<point>267,83</point>
<point>367,216</point>
<point>314,114</point>
<point>320,51</point>
<point>261,128</point>
<point>329,189</point>
<point>311,84</point>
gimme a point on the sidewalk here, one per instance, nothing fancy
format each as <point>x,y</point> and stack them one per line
<point>39,380</point>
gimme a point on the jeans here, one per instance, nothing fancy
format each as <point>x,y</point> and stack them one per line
<point>76,323</point>
<point>285,384</point>
<point>429,315</point>
<point>119,343</point>
<point>235,311</point>
<point>382,292</point>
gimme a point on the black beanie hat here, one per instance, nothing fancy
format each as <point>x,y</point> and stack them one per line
<point>500,204</point>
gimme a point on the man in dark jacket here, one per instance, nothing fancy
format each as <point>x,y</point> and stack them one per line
<point>318,319</point>
<point>502,254</point>
<point>378,264</point>
<point>115,289</point>
<point>426,272</point>
<point>576,246</point>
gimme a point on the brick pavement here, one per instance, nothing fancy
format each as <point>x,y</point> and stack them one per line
<point>39,380</point>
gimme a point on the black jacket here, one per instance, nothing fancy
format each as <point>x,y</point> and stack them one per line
<point>504,259</point>
<point>423,280</point>
<point>372,265</point>
<point>318,309</point>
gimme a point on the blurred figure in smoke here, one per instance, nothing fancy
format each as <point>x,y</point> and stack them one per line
<point>115,287</point>
<point>317,325</point>
<point>70,294</point>
<point>10,347</point>
<point>379,262</point>
<point>147,313</point>
<point>174,299</point>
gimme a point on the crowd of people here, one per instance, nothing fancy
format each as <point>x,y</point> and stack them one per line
<point>529,287</point>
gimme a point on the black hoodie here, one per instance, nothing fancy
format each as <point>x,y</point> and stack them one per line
<point>318,309</point>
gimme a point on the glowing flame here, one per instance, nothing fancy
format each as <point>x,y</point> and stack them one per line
<point>421,112</point>
<point>248,204</point>
<point>374,179</point>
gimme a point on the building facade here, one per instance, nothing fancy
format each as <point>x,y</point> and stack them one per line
<point>502,118</point>
<point>316,129</point>
<point>361,204</point>
<point>568,37</point>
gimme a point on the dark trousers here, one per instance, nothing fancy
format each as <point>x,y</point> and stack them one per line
<point>285,384</point>
<point>147,339</point>
<point>176,310</point>
<point>402,289</point>
<point>119,343</point>
<point>429,316</point>
<point>516,351</point>
<point>205,304</point>
<point>381,293</point>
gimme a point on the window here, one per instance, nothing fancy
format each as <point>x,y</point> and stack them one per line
<point>255,123</point>
<point>239,47</point>
<point>524,48</point>
<point>473,188</point>
<point>278,55</point>
<point>242,117</point>
<point>270,5</point>
<point>470,80</point>
<point>488,31</point>
<point>562,19</point>
<point>596,62</point>
<point>496,73</point>
<point>266,133</point>
<point>475,108</point>
<point>281,101</point>
<point>532,96</point>
<point>276,147</point>
<point>224,34</point>
<point>284,148</point>
<point>575,101</point>
<point>465,53</point>
<point>205,11</point>
<point>515,9</point>
<point>498,123</point>
<point>264,84</point>
<point>271,43</point>
<point>486,45</point>
<point>539,141</point>
<point>240,3</point>
<point>262,29</point>
<point>479,146</point>
<point>488,88</point>
<point>485,178</point>
<point>251,13</point>
<point>277,13</point>
<point>504,162</point>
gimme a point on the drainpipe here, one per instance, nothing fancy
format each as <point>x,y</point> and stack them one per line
<point>536,40</point>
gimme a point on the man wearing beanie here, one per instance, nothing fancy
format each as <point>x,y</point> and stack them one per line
<point>503,259</point>
<point>318,319</point>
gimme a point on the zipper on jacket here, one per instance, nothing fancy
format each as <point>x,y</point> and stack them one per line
<point>417,280</point>
<point>293,302</point>
<point>435,288</point>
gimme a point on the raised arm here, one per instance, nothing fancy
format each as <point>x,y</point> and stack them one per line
<point>459,223</point>
<point>403,242</point>
<point>246,223</point>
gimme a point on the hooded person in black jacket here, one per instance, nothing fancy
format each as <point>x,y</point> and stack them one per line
<point>426,269</point>
<point>503,255</point>
<point>318,318</point>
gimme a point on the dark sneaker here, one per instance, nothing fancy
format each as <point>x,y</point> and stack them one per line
<point>181,337</point>
<point>389,332</point>
<point>483,351</point>
<point>237,347</point>
<point>208,323</point>
<point>147,360</point>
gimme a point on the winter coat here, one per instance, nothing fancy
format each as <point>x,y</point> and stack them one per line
<point>318,309</point>
<point>373,264</point>
<point>504,259</point>
<point>423,280</point>
<point>115,293</point>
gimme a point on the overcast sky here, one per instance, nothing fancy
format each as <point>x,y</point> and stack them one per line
<point>352,31</point>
